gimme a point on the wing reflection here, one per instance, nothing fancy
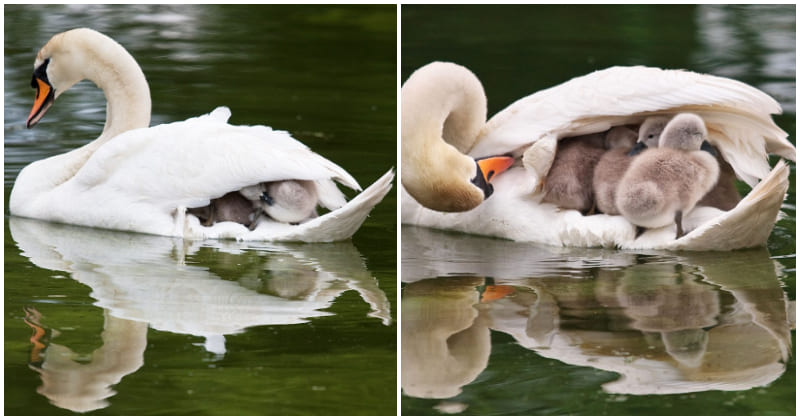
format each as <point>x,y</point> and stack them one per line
<point>667,323</point>
<point>207,289</point>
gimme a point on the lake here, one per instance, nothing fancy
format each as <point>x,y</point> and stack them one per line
<point>114,323</point>
<point>493,327</point>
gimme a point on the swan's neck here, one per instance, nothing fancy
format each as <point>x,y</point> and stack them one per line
<point>127,94</point>
<point>444,108</point>
<point>109,66</point>
<point>452,107</point>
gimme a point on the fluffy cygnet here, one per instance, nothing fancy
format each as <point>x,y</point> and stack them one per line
<point>569,183</point>
<point>611,167</point>
<point>723,195</point>
<point>290,201</point>
<point>231,207</point>
<point>664,183</point>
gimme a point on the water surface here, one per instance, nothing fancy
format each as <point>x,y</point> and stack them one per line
<point>492,327</point>
<point>116,323</point>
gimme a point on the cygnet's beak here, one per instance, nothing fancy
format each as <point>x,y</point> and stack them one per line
<point>707,147</point>
<point>488,168</point>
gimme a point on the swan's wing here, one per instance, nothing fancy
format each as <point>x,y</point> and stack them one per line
<point>737,113</point>
<point>187,163</point>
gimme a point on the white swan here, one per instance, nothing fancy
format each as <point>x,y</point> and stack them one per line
<point>737,117</point>
<point>144,179</point>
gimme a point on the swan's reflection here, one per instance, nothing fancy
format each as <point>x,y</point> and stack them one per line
<point>666,323</point>
<point>182,287</point>
<point>445,342</point>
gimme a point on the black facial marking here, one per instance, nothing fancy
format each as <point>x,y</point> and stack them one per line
<point>40,73</point>
<point>481,183</point>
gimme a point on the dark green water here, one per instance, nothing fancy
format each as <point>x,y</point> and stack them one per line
<point>133,324</point>
<point>599,332</point>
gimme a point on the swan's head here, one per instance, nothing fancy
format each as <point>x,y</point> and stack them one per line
<point>57,68</point>
<point>75,55</point>
<point>443,110</point>
<point>650,130</point>
<point>685,131</point>
<point>455,183</point>
<point>45,92</point>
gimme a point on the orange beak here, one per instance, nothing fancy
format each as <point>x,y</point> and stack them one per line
<point>493,165</point>
<point>44,99</point>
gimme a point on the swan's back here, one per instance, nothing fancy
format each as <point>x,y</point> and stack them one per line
<point>213,158</point>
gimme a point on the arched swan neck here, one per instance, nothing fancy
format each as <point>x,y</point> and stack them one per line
<point>445,99</point>
<point>128,105</point>
<point>86,54</point>
<point>125,88</point>
<point>443,110</point>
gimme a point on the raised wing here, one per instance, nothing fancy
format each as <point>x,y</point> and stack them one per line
<point>738,116</point>
<point>185,164</point>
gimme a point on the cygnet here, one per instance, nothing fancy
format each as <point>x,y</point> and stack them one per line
<point>569,183</point>
<point>651,129</point>
<point>611,167</point>
<point>231,207</point>
<point>289,201</point>
<point>664,183</point>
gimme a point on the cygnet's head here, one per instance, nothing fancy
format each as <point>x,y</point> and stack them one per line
<point>290,201</point>
<point>650,130</point>
<point>684,132</point>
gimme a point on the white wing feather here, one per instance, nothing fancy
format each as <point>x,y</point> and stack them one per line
<point>188,163</point>
<point>739,115</point>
